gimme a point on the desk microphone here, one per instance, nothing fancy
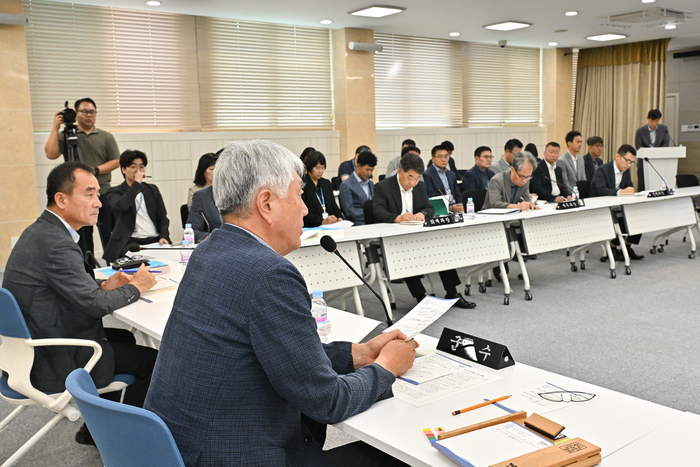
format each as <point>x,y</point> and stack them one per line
<point>560,185</point>
<point>330,246</point>
<point>201,213</point>
<point>668,190</point>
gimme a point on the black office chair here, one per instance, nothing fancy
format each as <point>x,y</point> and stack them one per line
<point>478,196</point>
<point>686,180</point>
<point>382,177</point>
<point>335,183</point>
<point>584,188</point>
<point>368,211</point>
<point>184,213</point>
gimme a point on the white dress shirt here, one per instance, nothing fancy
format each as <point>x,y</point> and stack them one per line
<point>553,177</point>
<point>406,199</point>
<point>618,178</point>
<point>144,227</point>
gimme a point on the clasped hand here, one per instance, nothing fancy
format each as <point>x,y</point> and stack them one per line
<point>390,350</point>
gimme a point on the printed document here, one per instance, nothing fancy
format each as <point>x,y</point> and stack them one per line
<point>423,315</point>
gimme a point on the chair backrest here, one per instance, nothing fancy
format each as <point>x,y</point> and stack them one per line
<point>184,213</point>
<point>584,188</point>
<point>125,435</point>
<point>368,211</point>
<point>382,177</point>
<point>686,180</point>
<point>335,183</point>
<point>478,196</point>
<point>12,322</point>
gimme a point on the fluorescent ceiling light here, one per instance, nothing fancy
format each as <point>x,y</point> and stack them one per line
<point>508,26</point>
<point>553,44</point>
<point>606,37</point>
<point>670,26</point>
<point>571,13</point>
<point>326,21</point>
<point>377,11</point>
<point>153,3</point>
<point>454,34</point>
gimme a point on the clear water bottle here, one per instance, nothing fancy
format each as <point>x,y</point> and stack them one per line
<point>188,234</point>
<point>470,209</point>
<point>185,254</point>
<point>575,196</point>
<point>319,310</point>
<point>663,186</point>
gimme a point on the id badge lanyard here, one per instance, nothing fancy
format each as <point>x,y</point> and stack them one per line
<point>322,200</point>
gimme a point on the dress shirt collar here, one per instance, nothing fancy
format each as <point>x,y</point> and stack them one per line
<point>362,183</point>
<point>617,171</point>
<point>73,233</point>
<point>553,166</point>
<point>262,242</point>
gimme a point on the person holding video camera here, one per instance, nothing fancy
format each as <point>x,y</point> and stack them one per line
<point>98,149</point>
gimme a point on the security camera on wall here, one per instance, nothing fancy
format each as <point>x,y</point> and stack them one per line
<point>502,44</point>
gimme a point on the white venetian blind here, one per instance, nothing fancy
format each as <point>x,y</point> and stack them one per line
<point>138,66</point>
<point>502,86</point>
<point>574,75</point>
<point>418,82</point>
<point>260,75</point>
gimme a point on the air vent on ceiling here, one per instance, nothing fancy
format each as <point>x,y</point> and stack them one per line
<point>649,17</point>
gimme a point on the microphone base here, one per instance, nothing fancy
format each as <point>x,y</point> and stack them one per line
<point>378,330</point>
<point>659,193</point>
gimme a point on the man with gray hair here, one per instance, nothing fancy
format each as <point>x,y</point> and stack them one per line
<point>241,344</point>
<point>511,189</point>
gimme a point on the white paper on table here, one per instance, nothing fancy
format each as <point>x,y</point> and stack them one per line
<point>162,283</point>
<point>344,224</point>
<point>494,444</point>
<point>528,399</point>
<point>156,245</point>
<point>430,367</point>
<point>423,315</point>
<point>309,233</point>
<point>419,395</point>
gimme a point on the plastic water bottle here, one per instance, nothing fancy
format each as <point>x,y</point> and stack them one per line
<point>663,186</point>
<point>319,310</point>
<point>188,234</point>
<point>470,209</point>
<point>185,254</point>
<point>575,196</point>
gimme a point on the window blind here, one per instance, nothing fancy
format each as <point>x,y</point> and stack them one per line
<point>260,75</point>
<point>418,82</point>
<point>502,86</point>
<point>574,75</point>
<point>138,66</point>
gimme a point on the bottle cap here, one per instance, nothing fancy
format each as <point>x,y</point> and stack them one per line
<point>185,242</point>
<point>575,188</point>
<point>188,226</point>
<point>318,294</point>
<point>469,199</point>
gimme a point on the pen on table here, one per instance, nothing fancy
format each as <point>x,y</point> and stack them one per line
<point>146,300</point>
<point>483,404</point>
<point>128,271</point>
<point>174,280</point>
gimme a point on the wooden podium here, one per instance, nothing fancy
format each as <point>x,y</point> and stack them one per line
<point>665,160</point>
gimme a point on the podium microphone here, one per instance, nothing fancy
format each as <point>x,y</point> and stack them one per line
<point>330,246</point>
<point>668,190</point>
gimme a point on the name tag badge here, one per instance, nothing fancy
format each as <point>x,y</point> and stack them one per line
<point>325,215</point>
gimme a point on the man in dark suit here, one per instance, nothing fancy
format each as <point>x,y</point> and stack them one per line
<point>593,160</point>
<point>479,176</point>
<point>651,135</point>
<point>250,352</point>
<point>60,298</point>
<point>141,217</point>
<point>613,179</point>
<point>203,215</point>
<point>450,165</point>
<point>346,168</point>
<point>546,172</point>
<point>440,181</point>
<point>404,198</point>
<point>358,188</point>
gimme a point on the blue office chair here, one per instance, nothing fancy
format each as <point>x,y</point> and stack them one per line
<point>16,359</point>
<point>126,436</point>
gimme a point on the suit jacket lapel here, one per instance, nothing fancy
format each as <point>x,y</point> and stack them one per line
<point>396,194</point>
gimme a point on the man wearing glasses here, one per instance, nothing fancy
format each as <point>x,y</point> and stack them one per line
<point>614,179</point>
<point>99,150</point>
<point>512,189</point>
<point>593,160</point>
<point>479,176</point>
<point>441,181</point>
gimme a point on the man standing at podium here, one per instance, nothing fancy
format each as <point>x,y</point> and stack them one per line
<point>651,135</point>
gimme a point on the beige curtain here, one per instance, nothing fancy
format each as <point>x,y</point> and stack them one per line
<point>616,87</point>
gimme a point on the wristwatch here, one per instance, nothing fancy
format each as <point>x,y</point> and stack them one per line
<point>97,170</point>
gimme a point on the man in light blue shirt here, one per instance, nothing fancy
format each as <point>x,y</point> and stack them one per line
<point>358,188</point>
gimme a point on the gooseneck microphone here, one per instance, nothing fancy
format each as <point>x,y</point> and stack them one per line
<point>560,185</point>
<point>668,190</point>
<point>330,246</point>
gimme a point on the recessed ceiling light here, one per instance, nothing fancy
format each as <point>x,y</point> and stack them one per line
<point>326,21</point>
<point>648,1</point>
<point>153,3</point>
<point>670,26</point>
<point>377,11</point>
<point>606,37</point>
<point>508,26</point>
<point>454,34</point>
<point>553,44</point>
<point>571,13</point>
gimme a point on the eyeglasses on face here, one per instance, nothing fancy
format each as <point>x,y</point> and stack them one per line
<point>629,162</point>
<point>523,177</point>
<point>88,112</point>
<point>487,157</point>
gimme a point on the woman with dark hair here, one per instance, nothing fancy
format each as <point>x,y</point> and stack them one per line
<point>306,152</point>
<point>532,149</point>
<point>203,176</point>
<point>318,193</point>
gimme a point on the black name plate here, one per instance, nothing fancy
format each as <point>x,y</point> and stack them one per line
<point>452,218</point>
<point>570,204</point>
<point>481,351</point>
<point>659,193</point>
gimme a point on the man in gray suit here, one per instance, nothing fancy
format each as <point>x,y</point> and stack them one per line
<point>511,148</point>
<point>512,189</point>
<point>59,296</point>
<point>358,188</point>
<point>573,167</point>
<point>651,135</point>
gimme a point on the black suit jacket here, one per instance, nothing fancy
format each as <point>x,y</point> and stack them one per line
<point>642,139</point>
<point>387,200</point>
<point>542,186</point>
<point>315,216</point>
<point>203,211</point>
<point>122,198</point>
<point>452,165</point>
<point>591,165</point>
<point>603,183</point>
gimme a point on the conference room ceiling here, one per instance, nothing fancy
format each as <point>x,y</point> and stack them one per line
<point>438,18</point>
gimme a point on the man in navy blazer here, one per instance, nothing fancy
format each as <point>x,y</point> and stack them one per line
<point>443,182</point>
<point>203,215</point>
<point>479,176</point>
<point>651,135</point>
<point>546,172</point>
<point>358,188</point>
<point>241,348</point>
